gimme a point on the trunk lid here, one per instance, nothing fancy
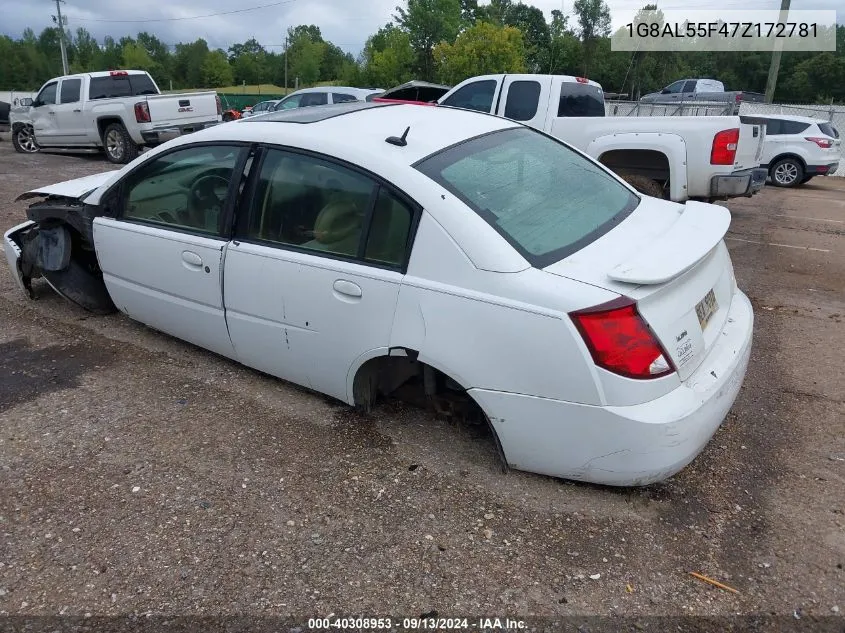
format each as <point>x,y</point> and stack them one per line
<point>671,259</point>
<point>182,109</point>
<point>74,189</point>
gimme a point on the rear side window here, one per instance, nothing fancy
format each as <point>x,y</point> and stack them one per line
<point>774,126</point>
<point>545,199</point>
<point>314,99</point>
<point>70,90</point>
<point>793,127</point>
<point>523,99</point>
<point>827,128</point>
<point>475,96</point>
<point>342,97</point>
<point>580,100</point>
<point>142,85</point>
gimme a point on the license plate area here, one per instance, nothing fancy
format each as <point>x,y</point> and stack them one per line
<point>706,308</point>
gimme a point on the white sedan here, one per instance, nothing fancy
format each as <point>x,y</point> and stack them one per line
<point>355,248</point>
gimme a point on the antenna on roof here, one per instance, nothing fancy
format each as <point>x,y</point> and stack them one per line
<point>399,140</point>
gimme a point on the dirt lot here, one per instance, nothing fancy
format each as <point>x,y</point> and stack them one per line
<point>141,475</point>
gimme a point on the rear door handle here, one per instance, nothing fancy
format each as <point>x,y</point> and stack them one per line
<point>192,260</point>
<point>347,288</point>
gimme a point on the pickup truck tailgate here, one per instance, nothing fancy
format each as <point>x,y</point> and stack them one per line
<point>752,133</point>
<point>182,109</point>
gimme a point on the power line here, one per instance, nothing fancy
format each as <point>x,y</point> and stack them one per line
<point>192,17</point>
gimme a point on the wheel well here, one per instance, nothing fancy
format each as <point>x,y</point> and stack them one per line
<point>19,124</point>
<point>104,122</point>
<point>642,162</point>
<point>408,379</point>
<point>782,156</point>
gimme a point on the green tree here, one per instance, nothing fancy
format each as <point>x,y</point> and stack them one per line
<point>594,23</point>
<point>135,57</point>
<point>389,57</point>
<point>187,63</point>
<point>428,23</point>
<point>87,53</point>
<point>305,54</point>
<point>481,49</point>
<point>216,71</point>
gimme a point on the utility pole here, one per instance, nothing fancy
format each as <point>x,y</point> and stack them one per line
<point>61,23</point>
<point>776,53</point>
<point>286,64</point>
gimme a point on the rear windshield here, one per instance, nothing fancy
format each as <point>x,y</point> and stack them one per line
<point>580,100</point>
<point>545,199</point>
<point>121,86</point>
<point>827,128</point>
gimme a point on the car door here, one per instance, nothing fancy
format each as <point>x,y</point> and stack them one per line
<point>688,93</point>
<point>672,92</point>
<point>162,252</point>
<point>525,100</point>
<point>313,274</point>
<point>475,95</point>
<point>70,122</point>
<point>43,114</point>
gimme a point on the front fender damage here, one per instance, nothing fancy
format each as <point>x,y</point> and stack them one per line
<point>56,245</point>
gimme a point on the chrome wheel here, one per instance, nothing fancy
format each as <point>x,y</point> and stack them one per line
<point>115,144</point>
<point>26,139</point>
<point>786,173</point>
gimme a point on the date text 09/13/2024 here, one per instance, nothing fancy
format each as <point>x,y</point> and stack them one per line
<point>416,624</point>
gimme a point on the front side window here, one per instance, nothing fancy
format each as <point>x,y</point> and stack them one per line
<point>690,86</point>
<point>47,96</point>
<point>523,100</point>
<point>289,103</point>
<point>545,199</point>
<point>309,203</point>
<point>70,90</point>
<point>184,190</point>
<point>674,88</point>
<point>477,95</point>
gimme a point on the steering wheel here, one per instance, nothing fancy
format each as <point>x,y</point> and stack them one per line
<point>207,195</point>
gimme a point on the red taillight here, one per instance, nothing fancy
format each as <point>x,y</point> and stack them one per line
<point>738,97</point>
<point>118,73</point>
<point>724,147</point>
<point>142,112</point>
<point>219,105</point>
<point>825,143</point>
<point>620,341</point>
<point>582,80</point>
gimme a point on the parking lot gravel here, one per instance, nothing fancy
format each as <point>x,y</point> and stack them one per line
<point>141,475</point>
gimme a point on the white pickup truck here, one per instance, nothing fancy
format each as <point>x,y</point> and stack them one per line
<point>679,157</point>
<point>117,111</point>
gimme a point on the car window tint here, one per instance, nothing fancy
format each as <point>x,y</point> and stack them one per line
<point>387,242</point>
<point>523,100</point>
<point>773,126</point>
<point>290,102</point>
<point>185,189</point>
<point>342,97</point>
<point>580,100</point>
<point>310,203</point>
<point>110,87</point>
<point>477,95</point>
<point>314,99</point>
<point>544,198</point>
<point>829,130</point>
<point>70,90</point>
<point>689,86</point>
<point>48,93</point>
<point>142,85</point>
<point>794,127</point>
<point>674,87</point>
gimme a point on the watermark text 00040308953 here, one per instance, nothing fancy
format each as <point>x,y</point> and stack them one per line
<point>728,30</point>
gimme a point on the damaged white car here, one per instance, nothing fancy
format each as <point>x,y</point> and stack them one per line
<point>357,248</point>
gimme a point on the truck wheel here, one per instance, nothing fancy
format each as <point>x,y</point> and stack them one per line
<point>23,138</point>
<point>119,146</point>
<point>644,184</point>
<point>787,172</point>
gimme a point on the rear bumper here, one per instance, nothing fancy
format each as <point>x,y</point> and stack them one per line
<point>822,170</point>
<point>631,445</point>
<point>745,182</point>
<point>157,136</point>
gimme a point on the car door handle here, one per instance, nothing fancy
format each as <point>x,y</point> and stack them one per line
<point>192,260</point>
<point>347,288</point>
<point>77,110</point>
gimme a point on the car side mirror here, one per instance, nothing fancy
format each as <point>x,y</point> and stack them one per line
<point>27,102</point>
<point>665,91</point>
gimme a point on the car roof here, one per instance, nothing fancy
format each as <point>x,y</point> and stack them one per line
<point>789,117</point>
<point>356,131</point>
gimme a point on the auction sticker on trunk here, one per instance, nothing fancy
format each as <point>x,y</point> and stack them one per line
<point>706,308</point>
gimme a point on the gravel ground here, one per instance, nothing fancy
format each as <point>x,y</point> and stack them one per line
<point>140,475</point>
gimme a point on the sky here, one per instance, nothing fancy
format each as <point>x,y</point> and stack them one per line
<point>347,23</point>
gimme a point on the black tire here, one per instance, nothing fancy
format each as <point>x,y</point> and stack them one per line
<point>118,145</point>
<point>23,139</point>
<point>644,185</point>
<point>786,172</point>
